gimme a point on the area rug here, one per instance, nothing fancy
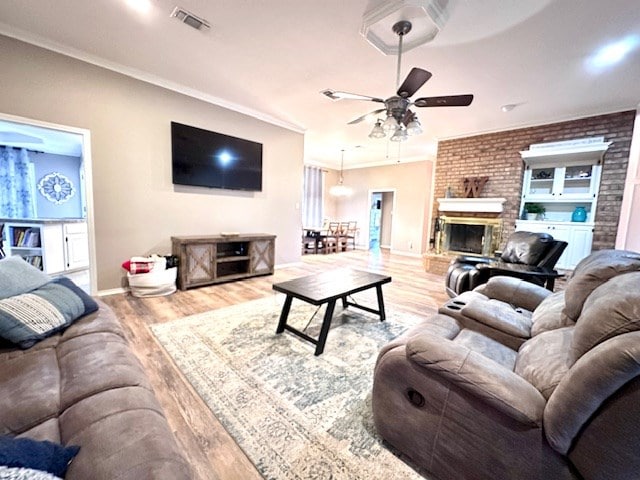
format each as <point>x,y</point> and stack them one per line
<point>295,415</point>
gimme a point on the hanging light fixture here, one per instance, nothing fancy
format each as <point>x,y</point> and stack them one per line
<point>397,129</point>
<point>340,190</point>
<point>400,135</point>
<point>378,130</point>
<point>414,127</point>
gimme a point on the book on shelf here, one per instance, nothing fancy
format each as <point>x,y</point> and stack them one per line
<point>35,260</point>
<point>26,237</point>
<point>32,238</point>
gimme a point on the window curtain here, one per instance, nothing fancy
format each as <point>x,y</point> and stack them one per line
<point>17,184</point>
<point>312,198</point>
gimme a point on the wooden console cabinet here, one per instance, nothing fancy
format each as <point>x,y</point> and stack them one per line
<point>205,260</point>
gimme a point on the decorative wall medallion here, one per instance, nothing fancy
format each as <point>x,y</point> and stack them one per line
<point>56,188</point>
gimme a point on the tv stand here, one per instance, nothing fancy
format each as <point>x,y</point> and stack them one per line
<point>206,260</point>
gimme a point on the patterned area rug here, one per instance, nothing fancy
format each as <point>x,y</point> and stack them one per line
<point>295,415</point>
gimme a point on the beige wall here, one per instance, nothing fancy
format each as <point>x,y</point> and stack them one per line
<point>136,207</point>
<point>628,237</point>
<point>411,184</point>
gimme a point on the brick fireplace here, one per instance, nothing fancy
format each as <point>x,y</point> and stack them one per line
<point>497,155</point>
<point>468,226</point>
<point>465,226</point>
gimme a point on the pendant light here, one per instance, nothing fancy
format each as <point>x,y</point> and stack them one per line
<point>340,190</point>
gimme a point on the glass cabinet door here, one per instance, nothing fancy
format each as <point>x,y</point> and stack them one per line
<point>540,184</point>
<point>577,181</point>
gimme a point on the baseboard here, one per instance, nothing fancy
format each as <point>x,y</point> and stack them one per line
<point>406,254</point>
<point>113,291</point>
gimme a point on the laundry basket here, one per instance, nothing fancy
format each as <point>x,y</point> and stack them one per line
<point>153,284</point>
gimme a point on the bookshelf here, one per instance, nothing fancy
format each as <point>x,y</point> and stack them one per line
<point>51,246</point>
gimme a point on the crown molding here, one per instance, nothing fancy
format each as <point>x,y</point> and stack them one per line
<point>47,44</point>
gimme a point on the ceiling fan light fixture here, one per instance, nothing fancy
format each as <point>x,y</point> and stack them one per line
<point>414,127</point>
<point>390,124</point>
<point>400,135</point>
<point>427,18</point>
<point>377,131</point>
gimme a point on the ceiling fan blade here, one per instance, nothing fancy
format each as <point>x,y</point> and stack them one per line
<point>447,101</point>
<point>335,95</point>
<point>416,78</point>
<point>359,119</point>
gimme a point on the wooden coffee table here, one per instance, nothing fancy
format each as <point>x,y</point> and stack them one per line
<point>327,288</point>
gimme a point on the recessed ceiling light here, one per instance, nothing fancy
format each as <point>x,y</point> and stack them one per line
<point>613,53</point>
<point>142,6</point>
<point>508,107</point>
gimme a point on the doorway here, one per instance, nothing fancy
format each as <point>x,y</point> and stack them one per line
<point>381,207</point>
<point>61,207</point>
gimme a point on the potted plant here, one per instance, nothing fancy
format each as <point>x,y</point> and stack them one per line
<point>535,211</point>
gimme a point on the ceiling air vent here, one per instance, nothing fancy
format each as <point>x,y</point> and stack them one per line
<point>190,19</point>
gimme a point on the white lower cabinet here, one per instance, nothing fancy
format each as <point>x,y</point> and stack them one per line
<point>50,246</point>
<point>76,245</point>
<point>579,237</point>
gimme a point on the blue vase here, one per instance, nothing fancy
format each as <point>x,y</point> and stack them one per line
<point>579,215</point>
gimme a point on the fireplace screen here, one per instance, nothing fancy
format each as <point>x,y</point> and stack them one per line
<point>476,236</point>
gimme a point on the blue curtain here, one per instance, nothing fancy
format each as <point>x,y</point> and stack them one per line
<point>312,197</point>
<point>17,184</point>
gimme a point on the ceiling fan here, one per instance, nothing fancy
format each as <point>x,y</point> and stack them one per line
<point>400,119</point>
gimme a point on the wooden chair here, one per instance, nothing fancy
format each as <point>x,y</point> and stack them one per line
<point>310,241</point>
<point>331,238</point>
<point>350,233</point>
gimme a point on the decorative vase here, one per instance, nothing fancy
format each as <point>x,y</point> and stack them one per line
<point>579,215</point>
<point>531,216</point>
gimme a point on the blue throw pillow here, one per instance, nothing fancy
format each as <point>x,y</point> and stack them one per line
<point>37,455</point>
<point>17,276</point>
<point>28,318</point>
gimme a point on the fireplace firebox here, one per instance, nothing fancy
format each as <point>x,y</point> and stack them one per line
<point>468,235</point>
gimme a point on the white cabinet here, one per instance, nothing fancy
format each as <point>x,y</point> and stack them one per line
<point>561,177</point>
<point>53,247</point>
<point>76,243</point>
<point>552,184</point>
<point>578,236</point>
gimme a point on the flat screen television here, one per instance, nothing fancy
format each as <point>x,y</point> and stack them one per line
<point>209,159</point>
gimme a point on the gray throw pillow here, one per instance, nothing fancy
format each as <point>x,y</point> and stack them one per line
<point>17,277</point>
<point>30,317</point>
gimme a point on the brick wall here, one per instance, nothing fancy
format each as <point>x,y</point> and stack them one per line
<point>497,155</point>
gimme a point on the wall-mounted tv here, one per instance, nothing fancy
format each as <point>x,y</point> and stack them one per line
<point>209,159</point>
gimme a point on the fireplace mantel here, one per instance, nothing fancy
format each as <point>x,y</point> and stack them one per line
<point>484,205</point>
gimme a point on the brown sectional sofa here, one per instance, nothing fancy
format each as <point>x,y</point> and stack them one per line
<point>85,387</point>
<point>517,382</point>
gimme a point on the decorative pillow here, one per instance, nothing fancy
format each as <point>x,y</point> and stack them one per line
<point>16,473</point>
<point>38,455</point>
<point>17,276</point>
<point>28,318</point>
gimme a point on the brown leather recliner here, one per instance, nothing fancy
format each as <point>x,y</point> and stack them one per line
<point>563,405</point>
<point>526,255</point>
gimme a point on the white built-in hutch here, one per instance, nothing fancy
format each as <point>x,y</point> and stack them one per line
<point>55,246</point>
<point>562,177</point>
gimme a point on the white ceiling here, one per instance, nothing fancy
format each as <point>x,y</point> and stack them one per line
<point>273,58</point>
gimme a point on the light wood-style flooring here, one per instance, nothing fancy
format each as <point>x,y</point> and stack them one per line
<point>210,450</point>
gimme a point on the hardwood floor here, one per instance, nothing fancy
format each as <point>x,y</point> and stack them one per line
<point>210,450</point>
